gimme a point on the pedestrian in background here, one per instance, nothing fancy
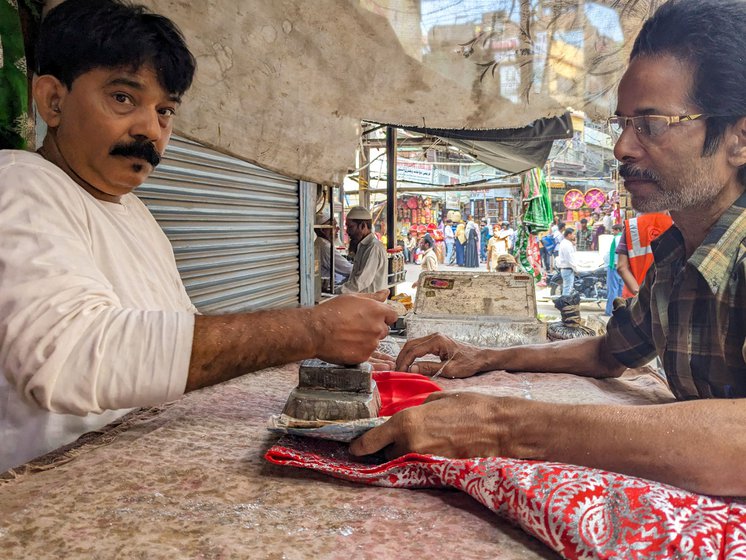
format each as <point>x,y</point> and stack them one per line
<point>613,280</point>
<point>484,237</point>
<point>460,243</point>
<point>471,251</point>
<point>566,261</point>
<point>583,236</point>
<point>450,241</point>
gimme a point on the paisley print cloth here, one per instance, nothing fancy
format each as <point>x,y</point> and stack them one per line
<point>579,512</point>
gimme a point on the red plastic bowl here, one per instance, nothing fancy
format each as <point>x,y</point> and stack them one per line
<point>400,390</point>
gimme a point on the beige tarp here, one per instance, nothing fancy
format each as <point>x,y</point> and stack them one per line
<point>285,83</point>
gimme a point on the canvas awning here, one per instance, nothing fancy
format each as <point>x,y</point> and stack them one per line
<point>512,150</point>
<point>287,84</point>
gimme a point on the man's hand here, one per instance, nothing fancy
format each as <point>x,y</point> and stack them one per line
<point>455,424</point>
<point>382,362</point>
<point>347,328</point>
<point>457,358</point>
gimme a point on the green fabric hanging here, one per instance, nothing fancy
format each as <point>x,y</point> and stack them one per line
<point>537,217</point>
<point>15,125</point>
<point>537,204</point>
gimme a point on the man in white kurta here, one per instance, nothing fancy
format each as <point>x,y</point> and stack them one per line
<point>370,269</point>
<point>95,316</point>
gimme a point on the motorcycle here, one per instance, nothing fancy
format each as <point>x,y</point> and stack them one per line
<point>590,284</point>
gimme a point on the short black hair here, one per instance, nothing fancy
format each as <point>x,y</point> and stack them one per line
<point>583,221</point>
<point>429,240</point>
<point>569,231</point>
<point>561,226</point>
<point>709,36</point>
<point>81,35</point>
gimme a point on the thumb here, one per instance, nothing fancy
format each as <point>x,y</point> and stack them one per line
<point>380,295</point>
<point>426,368</point>
<point>373,440</point>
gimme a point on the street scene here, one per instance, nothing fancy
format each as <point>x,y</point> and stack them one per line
<point>376,279</point>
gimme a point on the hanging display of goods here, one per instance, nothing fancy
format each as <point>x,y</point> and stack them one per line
<point>594,198</point>
<point>574,199</point>
<point>412,203</point>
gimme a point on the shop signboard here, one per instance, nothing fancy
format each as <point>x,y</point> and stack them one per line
<point>414,172</point>
<point>452,201</point>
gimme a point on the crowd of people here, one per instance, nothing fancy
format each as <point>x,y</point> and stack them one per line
<point>461,243</point>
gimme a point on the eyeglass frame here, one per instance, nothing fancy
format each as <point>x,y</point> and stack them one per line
<point>675,119</point>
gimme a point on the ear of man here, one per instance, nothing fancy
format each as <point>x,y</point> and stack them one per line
<point>736,143</point>
<point>49,95</point>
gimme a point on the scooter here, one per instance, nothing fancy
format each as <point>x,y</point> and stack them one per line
<point>590,284</point>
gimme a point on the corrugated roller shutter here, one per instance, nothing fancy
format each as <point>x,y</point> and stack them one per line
<point>234,228</point>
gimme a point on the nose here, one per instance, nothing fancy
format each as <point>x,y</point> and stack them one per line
<point>147,125</point>
<point>628,147</point>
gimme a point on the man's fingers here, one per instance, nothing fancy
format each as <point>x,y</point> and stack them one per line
<point>426,368</point>
<point>373,440</point>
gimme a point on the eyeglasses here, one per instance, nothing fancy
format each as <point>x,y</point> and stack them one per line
<point>647,127</point>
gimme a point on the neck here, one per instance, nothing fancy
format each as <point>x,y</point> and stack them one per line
<point>50,151</point>
<point>695,223</point>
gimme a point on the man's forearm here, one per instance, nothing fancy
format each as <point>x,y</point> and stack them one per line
<point>343,330</point>
<point>226,346</point>
<point>582,356</point>
<point>696,445</point>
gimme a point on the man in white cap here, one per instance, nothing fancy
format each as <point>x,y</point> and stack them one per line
<point>322,246</point>
<point>370,267</point>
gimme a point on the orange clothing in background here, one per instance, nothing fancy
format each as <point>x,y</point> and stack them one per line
<point>639,233</point>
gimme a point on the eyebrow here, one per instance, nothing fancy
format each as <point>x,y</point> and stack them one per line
<point>134,84</point>
<point>640,112</point>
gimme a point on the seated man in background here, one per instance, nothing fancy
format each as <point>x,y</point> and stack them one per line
<point>370,270</point>
<point>325,235</point>
<point>95,319</point>
<point>681,126</point>
<point>505,263</point>
<point>429,259</point>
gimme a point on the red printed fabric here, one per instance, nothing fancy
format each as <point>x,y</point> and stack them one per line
<point>579,512</point>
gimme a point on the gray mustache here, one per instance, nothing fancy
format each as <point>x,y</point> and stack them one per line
<point>141,150</point>
<point>627,171</point>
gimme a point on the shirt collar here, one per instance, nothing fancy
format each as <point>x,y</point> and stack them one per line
<point>715,257</point>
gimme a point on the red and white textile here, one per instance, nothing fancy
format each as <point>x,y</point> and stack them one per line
<point>579,512</point>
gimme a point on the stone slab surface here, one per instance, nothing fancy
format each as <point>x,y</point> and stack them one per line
<point>323,375</point>
<point>314,404</point>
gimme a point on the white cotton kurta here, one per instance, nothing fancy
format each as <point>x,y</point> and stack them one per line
<point>94,318</point>
<point>370,269</point>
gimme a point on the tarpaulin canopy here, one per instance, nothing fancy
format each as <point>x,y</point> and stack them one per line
<point>512,150</point>
<point>287,84</point>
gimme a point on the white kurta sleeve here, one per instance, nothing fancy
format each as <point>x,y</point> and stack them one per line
<point>67,343</point>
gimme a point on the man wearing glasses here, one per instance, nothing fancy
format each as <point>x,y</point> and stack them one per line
<point>681,139</point>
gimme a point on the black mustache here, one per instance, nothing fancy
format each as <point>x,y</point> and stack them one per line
<point>141,150</point>
<point>628,171</point>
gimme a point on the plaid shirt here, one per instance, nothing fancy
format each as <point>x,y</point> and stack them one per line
<point>691,313</point>
<point>583,239</point>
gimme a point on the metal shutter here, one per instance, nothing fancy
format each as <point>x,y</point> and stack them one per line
<point>234,228</point>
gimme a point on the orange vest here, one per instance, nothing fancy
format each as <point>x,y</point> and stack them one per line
<point>639,233</point>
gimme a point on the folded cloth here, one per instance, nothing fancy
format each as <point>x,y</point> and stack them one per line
<point>579,512</point>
